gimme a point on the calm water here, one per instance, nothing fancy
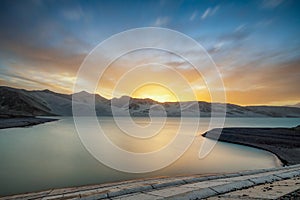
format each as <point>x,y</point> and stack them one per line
<point>51,155</point>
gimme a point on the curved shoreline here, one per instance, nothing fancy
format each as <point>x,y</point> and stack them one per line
<point>23,122</point>
<point>282,142</point>
<point>282,160</point>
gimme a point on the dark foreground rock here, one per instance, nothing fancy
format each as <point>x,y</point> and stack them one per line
<point>283,142</point>
<point>22,121</point>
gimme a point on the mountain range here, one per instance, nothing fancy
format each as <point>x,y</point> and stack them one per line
<point>19,102</point>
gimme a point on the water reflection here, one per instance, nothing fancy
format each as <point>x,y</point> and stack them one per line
<point>51,155</point>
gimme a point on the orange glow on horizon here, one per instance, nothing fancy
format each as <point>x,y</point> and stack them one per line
<point>155,92</point>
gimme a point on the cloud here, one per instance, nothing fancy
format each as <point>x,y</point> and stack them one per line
<point>209,12</point>
<point>240,33</point>
<point>43,43</point>
<point>217,47</point>
<point>193,16</point>
<point>38,80</point>
<point>270,4</point>
<point>264,23</point>
<point>33,64</point>
<point>185,67</point>
<point>254,83</point>
<point>43,58</point>
<point>161,21</point>
<point>230,41</point>
<point>73,14</point>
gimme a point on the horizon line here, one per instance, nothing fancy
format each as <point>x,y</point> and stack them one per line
<point>148,98</point>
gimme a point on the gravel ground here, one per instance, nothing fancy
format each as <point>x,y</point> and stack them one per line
<point>291,196</point>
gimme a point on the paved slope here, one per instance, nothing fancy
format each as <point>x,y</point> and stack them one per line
<point>188,187</point>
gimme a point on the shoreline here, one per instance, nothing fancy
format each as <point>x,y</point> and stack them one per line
<point>171,187</point>
<point>282,142</point>
<point>231,135</point>
<point>20,122</point>
<point>282,160</point>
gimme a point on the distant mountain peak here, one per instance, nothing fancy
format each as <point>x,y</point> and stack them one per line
<point>124,97</point>
<point>83,92</point>
<point>297,105</point>
<point>47,91</point>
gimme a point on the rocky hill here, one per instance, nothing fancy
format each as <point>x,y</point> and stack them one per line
<point>18,102</point>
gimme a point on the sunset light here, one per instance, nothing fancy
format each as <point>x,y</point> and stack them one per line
<point>149,99</point>
<point>156,92</point>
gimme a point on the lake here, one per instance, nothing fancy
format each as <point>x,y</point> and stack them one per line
<point>51,155</point>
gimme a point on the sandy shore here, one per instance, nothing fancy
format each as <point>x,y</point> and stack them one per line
<point>23,121</point>
<point>283,142</point>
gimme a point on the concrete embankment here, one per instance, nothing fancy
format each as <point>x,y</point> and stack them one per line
<point>187,187</point>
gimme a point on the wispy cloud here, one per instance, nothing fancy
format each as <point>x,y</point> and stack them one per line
<point>43,43</point>
<point>264,23</point>
<point>217,47</point>
<point>193,16</point>
<point>240,33</point>
<point>209,12</point>
<point>161,21</point>
<point>261,84</point>
<point>39,80</point>
<point>73,14</point>
<point>270,4</point>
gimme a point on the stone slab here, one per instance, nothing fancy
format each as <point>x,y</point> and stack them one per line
<point>232,186</point>
<point>167,192</point>
<point>265,179</point>
<point>195,194</point>
<point>137,196</point>
<point>267,191</point>
<point>205,184</point>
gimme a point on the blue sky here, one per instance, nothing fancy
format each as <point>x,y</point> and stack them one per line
<point>42,43</point>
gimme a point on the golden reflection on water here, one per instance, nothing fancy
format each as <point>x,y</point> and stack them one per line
<point>51,155</point>
<point>168,132</point>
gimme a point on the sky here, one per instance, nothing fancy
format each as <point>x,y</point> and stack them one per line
<point>254,44</point>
